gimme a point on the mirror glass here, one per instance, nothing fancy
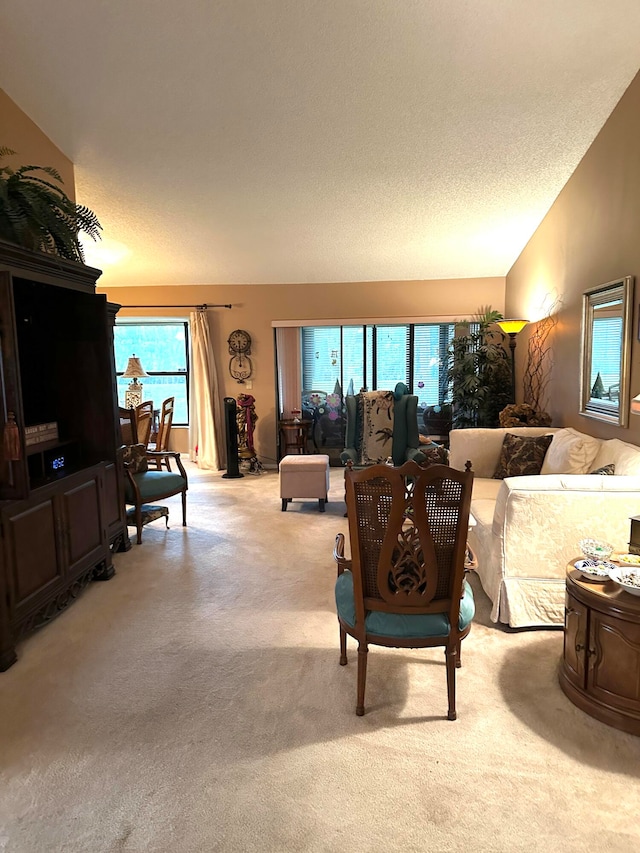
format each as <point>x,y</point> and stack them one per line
<point>606,350</point>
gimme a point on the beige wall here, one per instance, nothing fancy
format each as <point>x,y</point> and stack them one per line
<point>256,306</point>
<point>31,145</point>
<point>590,236</point>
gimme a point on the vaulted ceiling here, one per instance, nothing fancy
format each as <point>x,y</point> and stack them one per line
<point>259,141</point>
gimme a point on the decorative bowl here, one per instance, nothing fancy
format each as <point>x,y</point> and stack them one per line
<point>627,578</point>
<point>627,559</point>
<point>594,570</point>
<point>597,549</point>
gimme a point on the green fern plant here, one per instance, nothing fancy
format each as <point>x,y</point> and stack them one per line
<point>37,214</point>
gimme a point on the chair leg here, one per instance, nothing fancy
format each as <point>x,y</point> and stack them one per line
<point>139,524</point>
<point>284,504</point>
<point>451,656</point>
<point>458,659</point>
<point>343,646</point>
<point>184,509</point>
<point>363,650</point>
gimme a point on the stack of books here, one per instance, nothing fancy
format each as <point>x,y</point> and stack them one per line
<point>40,433</point>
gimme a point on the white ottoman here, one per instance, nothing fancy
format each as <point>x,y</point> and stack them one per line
<point>304,476</point>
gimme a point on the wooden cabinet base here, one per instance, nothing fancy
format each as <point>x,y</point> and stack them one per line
<point>626,722</point>
<point>600,671</point>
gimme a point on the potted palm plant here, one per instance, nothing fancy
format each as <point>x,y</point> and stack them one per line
<point>479,373</point>
<point>37,214</point>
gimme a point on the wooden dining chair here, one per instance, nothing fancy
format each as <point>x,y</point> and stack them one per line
<point>404,585</point>
<point>144,419</point>
<point>161,444</point>
<point>128,426</point>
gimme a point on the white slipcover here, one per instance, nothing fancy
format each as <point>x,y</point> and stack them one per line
<point>528,528</point>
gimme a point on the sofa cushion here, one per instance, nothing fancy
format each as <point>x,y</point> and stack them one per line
<point>626,457</point>
<point>570,452</point>
<point>482,446</point>
<point>521,455</point>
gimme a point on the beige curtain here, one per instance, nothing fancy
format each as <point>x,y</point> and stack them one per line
<point>206,432</point>
<point>289,368</point>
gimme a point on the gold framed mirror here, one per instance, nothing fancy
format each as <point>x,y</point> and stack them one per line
<point>606,351</point>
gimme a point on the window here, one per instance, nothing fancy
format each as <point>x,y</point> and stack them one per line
<point>162,347</point>
<point>352,357</point>
<point>339,360</point>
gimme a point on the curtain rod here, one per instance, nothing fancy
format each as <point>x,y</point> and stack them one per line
<point>202,307</point>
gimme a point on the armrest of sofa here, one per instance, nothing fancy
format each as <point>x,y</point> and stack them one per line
<point>539,520</point>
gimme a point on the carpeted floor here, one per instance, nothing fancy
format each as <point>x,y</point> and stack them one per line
<point>195,703</point>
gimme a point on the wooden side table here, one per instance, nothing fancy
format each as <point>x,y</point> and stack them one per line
<point>600,670</point>
<point>294,436</point>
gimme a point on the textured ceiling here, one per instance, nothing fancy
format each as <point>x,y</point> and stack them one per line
<point>257,141</point>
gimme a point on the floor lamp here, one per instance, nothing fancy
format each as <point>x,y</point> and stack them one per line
<point>511,328</point>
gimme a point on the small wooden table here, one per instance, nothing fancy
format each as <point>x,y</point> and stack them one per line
<point>294,436</point>
<point>600,670</point>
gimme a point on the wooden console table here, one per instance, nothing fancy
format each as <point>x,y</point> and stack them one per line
<point>600,670</point>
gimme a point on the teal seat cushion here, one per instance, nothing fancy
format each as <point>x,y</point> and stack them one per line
<point>402,626</point>
<point>153,484</point>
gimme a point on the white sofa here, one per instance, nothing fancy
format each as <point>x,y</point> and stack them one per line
<point>528,527</point>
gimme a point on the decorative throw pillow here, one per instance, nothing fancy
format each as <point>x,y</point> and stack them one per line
<point>571,452</point>
<point>135,458</point>
<point>606,469</point>
<point>521,455</point>
<point>376,426</point>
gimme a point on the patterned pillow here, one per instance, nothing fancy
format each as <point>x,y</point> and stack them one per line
<point>375,409</point>
<point>435,454</point>
<point>135,458</point>
<point>521,455</point>
<point>606,469</point>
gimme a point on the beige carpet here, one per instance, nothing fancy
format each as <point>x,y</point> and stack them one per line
<point>195,703</point>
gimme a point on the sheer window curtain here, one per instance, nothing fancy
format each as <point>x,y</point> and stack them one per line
<point>206,431</point>
<point>289,368</point>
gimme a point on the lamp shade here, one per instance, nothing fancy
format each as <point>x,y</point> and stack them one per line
<point>512,327</point>
<point>134,369</point>
<point>635,405</point>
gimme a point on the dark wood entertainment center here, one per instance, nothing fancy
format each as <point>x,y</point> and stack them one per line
<point>61,500</point>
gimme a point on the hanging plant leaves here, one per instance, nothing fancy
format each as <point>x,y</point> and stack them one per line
<point>37,214</point>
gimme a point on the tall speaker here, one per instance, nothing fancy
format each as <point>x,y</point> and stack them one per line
<point>231,426</point>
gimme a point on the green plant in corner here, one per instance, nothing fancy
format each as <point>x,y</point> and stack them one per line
<point>479,372</point>
<point>37,214</point>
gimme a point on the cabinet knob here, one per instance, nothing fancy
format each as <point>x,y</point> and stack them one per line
<point>579,647</point>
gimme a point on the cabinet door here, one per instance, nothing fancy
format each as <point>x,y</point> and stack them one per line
<point>575,640</point>
<point>114,507</point>
<point>614,662</point>
<point>33,553</point>
<point>81,521</point>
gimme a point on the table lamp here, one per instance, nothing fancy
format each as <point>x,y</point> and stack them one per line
<point>133,394</point>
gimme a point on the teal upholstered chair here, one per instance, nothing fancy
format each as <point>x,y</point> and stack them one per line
<point>405,438</point>
<point>142,486</point>
<point>404,585</point>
